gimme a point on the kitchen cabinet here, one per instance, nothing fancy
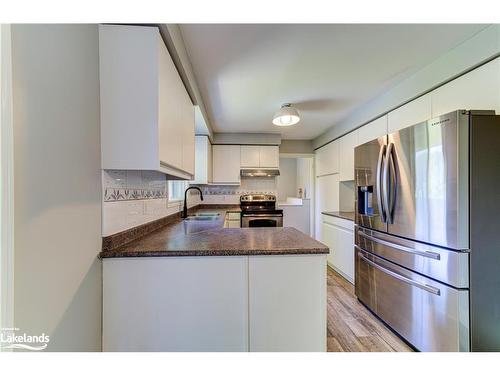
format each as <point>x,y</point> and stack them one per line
<point>412,113</point>
<point>203,160</point>
<point>250,156</point>
<point>260,157</point>
<point>347,143</point>
<point>147,117</point>
<point>478,89</point>
<point>287,303</point>
<point>338,235</point>
<point>327,198</point>
<point>214,303</point>
<point>372,130</point>
<point>226,164</point>
<point>232,220</point>
<point>327,159</point>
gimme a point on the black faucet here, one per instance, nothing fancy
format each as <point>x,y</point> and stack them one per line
<point>185,210</point>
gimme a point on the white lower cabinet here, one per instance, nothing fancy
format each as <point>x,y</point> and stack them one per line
<point>211,303</point>
<point>287,308</point>
<point>338,235</point>
<point>175,304</point>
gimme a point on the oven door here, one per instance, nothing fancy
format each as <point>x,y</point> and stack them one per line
<point>261,220</point>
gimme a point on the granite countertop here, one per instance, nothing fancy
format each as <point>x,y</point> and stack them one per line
<point>204,238</point>
<point>342,214</point>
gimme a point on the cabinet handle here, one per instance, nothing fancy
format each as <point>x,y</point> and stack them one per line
<point>395,275</point>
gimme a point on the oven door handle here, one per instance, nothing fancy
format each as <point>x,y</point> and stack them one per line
<point>262,215</point>
<point>395,275</point>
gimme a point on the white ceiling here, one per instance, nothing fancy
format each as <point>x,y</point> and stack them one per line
<point>245,72</point>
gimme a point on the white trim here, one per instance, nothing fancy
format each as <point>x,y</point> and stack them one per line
<point>6,183</point>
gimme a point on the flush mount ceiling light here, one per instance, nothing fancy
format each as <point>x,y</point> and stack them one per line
<point>286,116</point>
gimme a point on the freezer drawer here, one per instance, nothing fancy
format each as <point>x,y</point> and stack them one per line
<point>428,314</point>
<point>448,266</point>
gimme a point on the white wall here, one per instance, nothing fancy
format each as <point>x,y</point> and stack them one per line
<point>286,182</point>
<point>478,49</point>
<point>57,181</point>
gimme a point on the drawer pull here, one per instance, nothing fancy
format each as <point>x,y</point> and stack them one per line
<point>427,254</point>
<point>425,287</point>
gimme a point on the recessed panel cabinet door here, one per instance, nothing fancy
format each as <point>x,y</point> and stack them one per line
<point>269,156</point>
<point>226,164</point>
<point>287,303</point>
<point>250,156</point>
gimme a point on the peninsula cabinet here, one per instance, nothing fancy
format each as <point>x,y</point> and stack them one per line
<point>226,164</point>
<point>215,303</point>
<point>147,117</point>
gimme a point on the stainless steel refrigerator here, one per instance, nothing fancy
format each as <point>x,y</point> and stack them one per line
<point>427,235</point>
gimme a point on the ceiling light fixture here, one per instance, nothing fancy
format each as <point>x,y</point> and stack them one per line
<point>286,116</point>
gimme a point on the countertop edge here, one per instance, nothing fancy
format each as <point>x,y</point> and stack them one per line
<point>186,253</point>
<point>340,214</point>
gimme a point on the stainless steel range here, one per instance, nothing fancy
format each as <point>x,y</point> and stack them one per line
<point>259,210</point>
<point>427,243</point>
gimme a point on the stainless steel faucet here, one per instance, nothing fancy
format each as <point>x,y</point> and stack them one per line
<point>185,210</point>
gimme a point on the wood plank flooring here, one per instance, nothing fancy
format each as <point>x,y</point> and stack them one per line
<point>351,326</point>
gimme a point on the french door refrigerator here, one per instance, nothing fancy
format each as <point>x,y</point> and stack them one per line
<point>427,235</point>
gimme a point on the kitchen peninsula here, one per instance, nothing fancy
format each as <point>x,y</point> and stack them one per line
<point>192,285</point>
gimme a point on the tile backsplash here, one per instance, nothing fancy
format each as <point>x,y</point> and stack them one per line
<point>133,198</point>
<point>133,185</point>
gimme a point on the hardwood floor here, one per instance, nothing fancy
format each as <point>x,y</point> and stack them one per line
<point>351,326</point>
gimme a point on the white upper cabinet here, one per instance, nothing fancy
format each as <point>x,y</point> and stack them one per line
<point>376,128</point>
<point>226,164</point>
<point>147,117</point>
<point>203,160</point>
<point>269,156</point>
<point>412,113</point>
<point>478,89</point>
<point>250,156</point>
<point>346,159</point>
<point>327,159</point>
<point>260,157</point>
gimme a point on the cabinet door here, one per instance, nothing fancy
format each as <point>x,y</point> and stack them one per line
<point>346,159</point>
<point>327,198</point>
<point>226,164</point>
<point>170,108</point>
<point>412,113</point>
<point>373,130</point>
<point>287,303</point>
<point>478,89</point>
<point>341,243</point>
<point>202,304</point>
<point>327,159</point>
<point>250,156</point>
<point>269,156</point>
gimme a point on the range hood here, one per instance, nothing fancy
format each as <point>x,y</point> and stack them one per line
<point>260,172</point>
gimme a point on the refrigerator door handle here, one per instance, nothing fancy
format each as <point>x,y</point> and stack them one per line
<point>427,254</point>
<point>395,275</point>
<point>385,185</point>
<point>379,183</point>
<point>391,183</point>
